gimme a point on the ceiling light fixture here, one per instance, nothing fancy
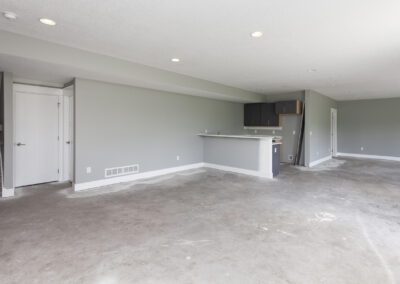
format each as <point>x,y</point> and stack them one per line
<point>9,15</point>
<point>312,70</point>
<point>48,22</point>
<point>175,60</point>
<point>256,34</point>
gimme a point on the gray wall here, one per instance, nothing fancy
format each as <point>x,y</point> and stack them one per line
<point>60,63</point>
<point>8,129</point>
<point>289,124</point>
<point>318,121</point>
<point>118,125</point>
<point>372,124</point>
<point>219,151</point>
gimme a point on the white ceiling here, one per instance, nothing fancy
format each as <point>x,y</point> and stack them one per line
<point>354,45</point>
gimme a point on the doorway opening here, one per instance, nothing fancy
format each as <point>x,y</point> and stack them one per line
<point>43,134</point>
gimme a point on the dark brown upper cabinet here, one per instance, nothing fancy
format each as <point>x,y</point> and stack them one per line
<point>260,115</point>
<point>252,114</point>
<point>289,107</point>
<point>269,117</point>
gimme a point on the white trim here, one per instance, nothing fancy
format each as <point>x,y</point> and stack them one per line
<point>66,121</point>
<point>375,157</point>
<point>317,162</point>
<point>263,127</point>
<point>7,192</point>
<point>237,170</point>
<point>127,178</point>
<point>333,132</point>
<point>151,174</point>
<point>38,90</point>
<point>60,137</point>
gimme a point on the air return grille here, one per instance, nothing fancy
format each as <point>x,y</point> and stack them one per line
<point>121,171</point>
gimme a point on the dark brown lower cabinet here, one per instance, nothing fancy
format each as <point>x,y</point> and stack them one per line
<point>276,159</point>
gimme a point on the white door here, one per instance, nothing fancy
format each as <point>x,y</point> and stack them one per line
<point>68,137</point>
<point>36,136</point>
<point>334,132</point>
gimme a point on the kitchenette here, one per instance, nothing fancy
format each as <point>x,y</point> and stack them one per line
<point>256,155</point>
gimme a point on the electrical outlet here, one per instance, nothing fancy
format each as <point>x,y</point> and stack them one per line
<point>290,157</point>
<point>205,130</point>
<point>273,131</point>
<point>178,158</point>
<point>88,170</point>
<point>294,132</point>
<point>310,133</point>
<point>255,131</point>
<point>362,148</point>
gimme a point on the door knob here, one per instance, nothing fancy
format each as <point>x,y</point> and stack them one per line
<point>68,142</point>
<point>20,144</point>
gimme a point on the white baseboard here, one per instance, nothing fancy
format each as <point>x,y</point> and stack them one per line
<point>150,174</point>
<point>375,157</point>
<point>237,170</point>
<point>317,162</point>
<point>7,192</point>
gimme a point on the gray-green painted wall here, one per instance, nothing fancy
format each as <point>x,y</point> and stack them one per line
<point>219,151</point>
<point>371,124</point>
<point>317,126</point>
<point>119,125</point>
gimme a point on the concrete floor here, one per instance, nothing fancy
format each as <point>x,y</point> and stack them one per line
<point>338,223</point>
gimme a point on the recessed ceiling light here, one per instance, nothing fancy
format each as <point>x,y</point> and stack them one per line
<point>175,60</point>
<point>312,70</point>
<point>48,22</point>
<point>256,34</point>
<point>10,15</point>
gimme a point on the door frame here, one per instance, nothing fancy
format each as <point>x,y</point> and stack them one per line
<point>68,121</point>
<point>333,132</point>
<point>40,90</point>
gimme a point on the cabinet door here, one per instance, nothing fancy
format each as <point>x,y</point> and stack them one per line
<point>274,119</point>
<point>252,114</point>
<point>276,162</point>
<point>288,107</point>
<point>267,114</point>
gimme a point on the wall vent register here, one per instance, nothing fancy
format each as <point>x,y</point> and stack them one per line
<point>121,171</point>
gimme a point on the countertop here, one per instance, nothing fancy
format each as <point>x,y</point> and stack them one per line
<point>242,136</point>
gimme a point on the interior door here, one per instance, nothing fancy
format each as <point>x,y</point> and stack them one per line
<point>36,138</point>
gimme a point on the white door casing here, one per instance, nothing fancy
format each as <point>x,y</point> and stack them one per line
<point>68,141</point>
<point>334,132</point>
<point>36,143</point>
